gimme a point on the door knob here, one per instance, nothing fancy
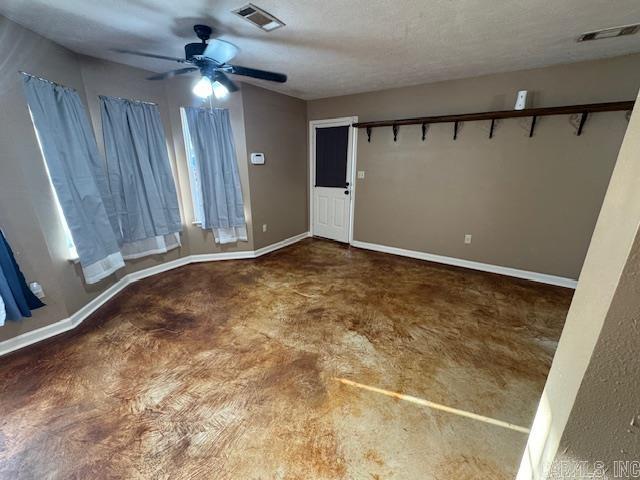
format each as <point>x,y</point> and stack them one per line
<point>346,192</point>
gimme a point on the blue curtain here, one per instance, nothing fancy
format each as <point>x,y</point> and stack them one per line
<point>214,149</point>
<point>77,174</point>
<point>140,178</point>
<point>16,296</point>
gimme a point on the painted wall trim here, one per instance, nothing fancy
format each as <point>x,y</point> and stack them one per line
<point>66,324</point>
<point>458,262</point>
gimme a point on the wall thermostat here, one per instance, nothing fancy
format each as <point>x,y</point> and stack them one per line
<point>257,158</point>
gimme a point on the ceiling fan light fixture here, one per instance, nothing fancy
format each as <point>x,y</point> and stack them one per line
<point>219,90</point>
<point>203,88</point>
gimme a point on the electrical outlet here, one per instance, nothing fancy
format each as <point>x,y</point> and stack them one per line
<point>264,227</point>
<point>360,174</point>
<point>36,289</point>
<point>467,238</point>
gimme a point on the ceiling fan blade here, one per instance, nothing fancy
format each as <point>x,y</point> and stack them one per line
<point>220,51</point>
<point>172,73</point>
<point>255,73</point>
<point>150,55</point>
<point>226,81</point>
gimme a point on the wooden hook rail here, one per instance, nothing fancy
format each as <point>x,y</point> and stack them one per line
<point>584,110</point>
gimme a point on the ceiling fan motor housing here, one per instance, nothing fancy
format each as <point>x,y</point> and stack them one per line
<point>203,32</point>
<point>193,49</point>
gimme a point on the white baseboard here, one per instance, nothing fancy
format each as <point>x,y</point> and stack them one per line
<point>34,336</point>
<point>458,262</point>
<point>78,317</point>
<point>281,244</point>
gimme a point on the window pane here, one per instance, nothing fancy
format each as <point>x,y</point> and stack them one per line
<point>71,247</point>
<point>332,145</point>
<point>194,172</point>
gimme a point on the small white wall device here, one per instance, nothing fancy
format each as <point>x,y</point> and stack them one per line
<point>257,159</point>
<point>36,289</point>
<point>521,100</point>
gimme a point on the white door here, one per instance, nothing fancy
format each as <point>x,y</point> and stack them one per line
<point>331,179</point>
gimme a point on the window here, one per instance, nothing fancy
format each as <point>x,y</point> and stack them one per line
<point>71,247</point>
<point>194,172</point>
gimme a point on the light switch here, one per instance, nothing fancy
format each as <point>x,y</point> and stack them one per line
<point>467,238</point>
<point>360,174</point>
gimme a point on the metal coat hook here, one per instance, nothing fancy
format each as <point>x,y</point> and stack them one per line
<point>533,125</point>
<point>424,131</point>
<point>369,134</point>
<point>455,130</point>
<point>493,121</point>
<point>395,132</point>
<point>583,119</point>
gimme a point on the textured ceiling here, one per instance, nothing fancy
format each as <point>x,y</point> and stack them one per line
<point>336,47</point>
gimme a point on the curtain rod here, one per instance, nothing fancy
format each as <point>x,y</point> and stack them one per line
<point>128,99</point>
<point>71,88</point>
<point>208,109</point>
<point>45,80</point>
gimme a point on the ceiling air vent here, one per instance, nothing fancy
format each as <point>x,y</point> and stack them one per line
<point>610,33</point>
<point>259,17</point>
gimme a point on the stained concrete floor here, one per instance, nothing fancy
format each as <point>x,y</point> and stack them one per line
<point>285,367</point>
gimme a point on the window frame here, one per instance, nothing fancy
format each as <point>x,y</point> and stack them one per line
<point>194,172</point>
<point>72,251</point>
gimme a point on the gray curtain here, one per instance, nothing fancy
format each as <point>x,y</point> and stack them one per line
<point>77,174</point>
<point>214,149</point>
<point>140,177</point>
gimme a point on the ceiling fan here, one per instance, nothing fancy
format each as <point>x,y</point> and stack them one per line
<point>211,59</point>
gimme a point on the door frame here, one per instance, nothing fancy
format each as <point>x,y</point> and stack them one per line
<point>351,151</point>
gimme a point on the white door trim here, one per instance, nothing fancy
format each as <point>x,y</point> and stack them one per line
<point>353,147</point>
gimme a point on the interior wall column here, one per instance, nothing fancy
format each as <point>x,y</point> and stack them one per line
<point>608,255</point>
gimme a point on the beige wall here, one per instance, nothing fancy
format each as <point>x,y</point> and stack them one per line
<point>28,214</point>
<point>275,125</point>
<point>606,435</point>
<point>591,394</point>
<point>62,280</point>
<point>530,203</point>
<point>27,210</point>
